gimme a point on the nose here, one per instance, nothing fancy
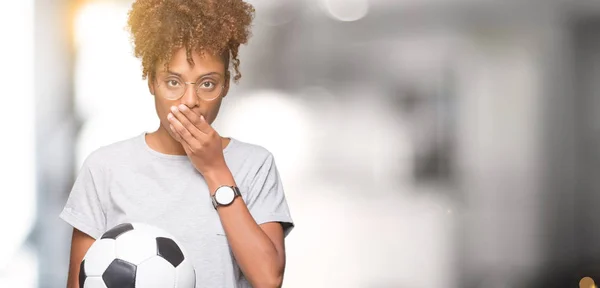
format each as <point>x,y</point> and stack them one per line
<point>189,98</point>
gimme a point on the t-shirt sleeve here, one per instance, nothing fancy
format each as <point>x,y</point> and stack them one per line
<point>83,209</point>
<point>266,199</point>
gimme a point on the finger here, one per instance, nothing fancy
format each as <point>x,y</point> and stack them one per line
<point>203,125</point>
<point>178,138</point>
<point>187,148</point>
<point>189,114</point>
<point>179,129</point>
<point>198,121</point>
<point>174,133</point>
<point>185,121</point>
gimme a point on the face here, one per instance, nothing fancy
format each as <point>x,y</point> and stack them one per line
<point>207,71</point>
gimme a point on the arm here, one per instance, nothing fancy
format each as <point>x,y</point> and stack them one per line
<point>80,244</point>
<point>258,249</point>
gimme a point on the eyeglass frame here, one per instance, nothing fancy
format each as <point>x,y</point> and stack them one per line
<point>195,90</point>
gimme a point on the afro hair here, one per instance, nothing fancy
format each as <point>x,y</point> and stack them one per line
<point>218,27</point>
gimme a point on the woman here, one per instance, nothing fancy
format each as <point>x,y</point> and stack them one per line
<point>220,197</point>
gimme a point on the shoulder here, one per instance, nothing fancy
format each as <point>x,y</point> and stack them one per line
<point>109,154</point>
<point>249,151</point>
<point>249,157</point>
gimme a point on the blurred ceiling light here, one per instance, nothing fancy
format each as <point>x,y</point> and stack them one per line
<point>100,38</point>
<point>105,55</point>
<point>96,22</point>
<point>346,10</point>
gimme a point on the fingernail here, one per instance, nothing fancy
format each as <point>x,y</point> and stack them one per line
<point>173,109</point>
<point>182,107</point>
<point>202,117</point>
<point>169,116</point>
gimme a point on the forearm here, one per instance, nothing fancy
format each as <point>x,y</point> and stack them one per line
<point>72,282</point>
<point>255,253</point>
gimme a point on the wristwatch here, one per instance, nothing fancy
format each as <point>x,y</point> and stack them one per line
<point>225,195</point>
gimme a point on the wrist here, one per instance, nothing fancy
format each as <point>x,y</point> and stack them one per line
<point>218,177</point>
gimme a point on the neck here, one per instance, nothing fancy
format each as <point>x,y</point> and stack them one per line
<point>161,141</point>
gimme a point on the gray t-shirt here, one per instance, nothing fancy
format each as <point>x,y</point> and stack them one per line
<point>129,182</point>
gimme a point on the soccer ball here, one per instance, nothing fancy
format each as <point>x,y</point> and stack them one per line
<point>136,255</point>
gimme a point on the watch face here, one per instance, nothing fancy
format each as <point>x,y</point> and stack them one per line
<point>224,195</point>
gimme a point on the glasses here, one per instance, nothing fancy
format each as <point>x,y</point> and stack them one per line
<point>173,88</point>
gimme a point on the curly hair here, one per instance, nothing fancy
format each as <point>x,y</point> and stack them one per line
<point>218,27</point>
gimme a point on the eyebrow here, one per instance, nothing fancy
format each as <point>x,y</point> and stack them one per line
<point>201,76</point>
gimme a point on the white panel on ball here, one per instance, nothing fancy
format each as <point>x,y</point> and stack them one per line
<point>94,282</point>
<point>155,273</point>
<point>186,277</point>
<point>136,246</point>
<point>100,255</point>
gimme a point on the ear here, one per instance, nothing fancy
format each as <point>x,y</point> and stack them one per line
<point>227,82</point>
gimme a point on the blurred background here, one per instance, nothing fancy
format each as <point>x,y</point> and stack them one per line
<point>437,143</point>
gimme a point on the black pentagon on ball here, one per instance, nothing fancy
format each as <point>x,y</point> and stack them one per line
<point>120,274</point>
<point>117,231</point>
<point>168,249</point>
<point>82,274</point>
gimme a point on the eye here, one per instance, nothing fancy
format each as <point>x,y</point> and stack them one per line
<point>207,85</point>
<point>172,83</point>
